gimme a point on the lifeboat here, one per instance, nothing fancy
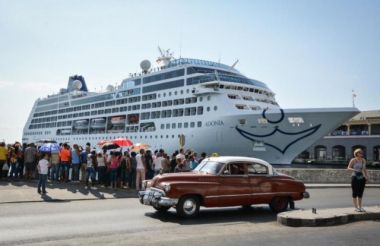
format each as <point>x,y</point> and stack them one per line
<point>133,118</point>
<point>81,124</point>
<point>98,123</point>
<point>119,120</point>
<point>65,131</point>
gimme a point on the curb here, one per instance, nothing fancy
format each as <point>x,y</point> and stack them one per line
<point>287,218</point>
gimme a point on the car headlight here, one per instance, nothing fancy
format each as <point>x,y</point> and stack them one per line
<point>167,187</point>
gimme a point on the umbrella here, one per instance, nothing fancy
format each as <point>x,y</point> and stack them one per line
<point>101,143</point>
<point>110,146</point>
<point>123,142</point>
<point>46,140</point>
<point>49,147</point>
<point>138,146</point>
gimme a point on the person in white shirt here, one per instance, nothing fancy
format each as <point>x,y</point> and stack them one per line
<point>42,168</point>
<point>181,154</point>
<point>157,164</point>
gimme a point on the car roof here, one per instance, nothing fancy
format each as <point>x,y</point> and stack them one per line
<point>238,159</point>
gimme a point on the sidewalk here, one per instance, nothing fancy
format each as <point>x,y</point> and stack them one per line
<point>26,191</point>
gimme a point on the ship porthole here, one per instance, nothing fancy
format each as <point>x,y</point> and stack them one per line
<point>208,108</point>
<point>201,99</point>
<point>216,108</point>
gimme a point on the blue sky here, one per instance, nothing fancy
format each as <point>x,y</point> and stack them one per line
<point>312,54</point>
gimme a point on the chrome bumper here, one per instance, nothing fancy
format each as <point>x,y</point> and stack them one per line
<point>156,197</point>
<point>306,195</point>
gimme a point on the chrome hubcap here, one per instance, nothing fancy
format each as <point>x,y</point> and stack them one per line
<point>189,206</point>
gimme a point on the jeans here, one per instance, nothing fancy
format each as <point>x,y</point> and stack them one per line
<point>125,176</point>
<point>54,172</point>
<point>113,174</point>
<point>101,174</point>
<point>42,182</point>
<point>13,170</point>
<point>20,170</point>
<point>64,167</point>
<point>75,173</point>
<point>132,180</point>
<point>90,171</point>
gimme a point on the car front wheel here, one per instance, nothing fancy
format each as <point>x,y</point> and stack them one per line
<point>279,204</point>
<point>188,206</point>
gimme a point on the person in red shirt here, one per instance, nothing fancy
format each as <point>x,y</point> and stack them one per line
<point>65,156</point>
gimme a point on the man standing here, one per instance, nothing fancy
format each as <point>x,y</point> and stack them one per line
<point>181,155</point>
<point>64,166</point>
<point>157,164</point>
<point>149,165</point>
<point>30,157</point>
<point>3,158</point>
<point>140,168</point>
<point>83,166</point>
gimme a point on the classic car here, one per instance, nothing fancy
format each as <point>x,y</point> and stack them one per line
<point>220,182</point>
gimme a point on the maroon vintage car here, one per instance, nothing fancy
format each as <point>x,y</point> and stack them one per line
<point>220,182</point>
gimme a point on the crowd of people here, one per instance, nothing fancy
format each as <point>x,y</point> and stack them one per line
<point>103,168</point>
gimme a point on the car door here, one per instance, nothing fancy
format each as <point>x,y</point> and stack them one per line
<point>260,183</point>
<point>234,189</point>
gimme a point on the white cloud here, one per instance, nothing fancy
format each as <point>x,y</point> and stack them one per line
<point>5,84</point>
<point>35,86</point>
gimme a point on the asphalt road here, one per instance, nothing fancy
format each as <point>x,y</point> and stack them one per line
<point>127,222</point>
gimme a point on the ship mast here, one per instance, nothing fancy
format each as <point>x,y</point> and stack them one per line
<point>166,56</point>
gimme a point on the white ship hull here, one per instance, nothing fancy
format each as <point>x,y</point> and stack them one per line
<point>229,118</point>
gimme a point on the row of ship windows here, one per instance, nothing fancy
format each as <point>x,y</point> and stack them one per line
<point>144,116</point>
<point>121,109</point>
<point>121,101</point>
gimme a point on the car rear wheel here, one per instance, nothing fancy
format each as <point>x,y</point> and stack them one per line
<point>188,206</point>
<point>279,204</point>
<point>161,208</point>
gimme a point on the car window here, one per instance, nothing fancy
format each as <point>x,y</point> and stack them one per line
<point>211,167</point>
<point>255,168</point>
<point>234,169</point>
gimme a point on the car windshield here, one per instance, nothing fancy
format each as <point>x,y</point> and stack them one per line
<point>211,167</point>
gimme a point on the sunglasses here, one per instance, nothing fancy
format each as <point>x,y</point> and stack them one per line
<point>361,152</point>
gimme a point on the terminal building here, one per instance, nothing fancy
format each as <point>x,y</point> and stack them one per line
<point>362,131</point>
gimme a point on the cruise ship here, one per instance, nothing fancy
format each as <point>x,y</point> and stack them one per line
<point>184,103</point>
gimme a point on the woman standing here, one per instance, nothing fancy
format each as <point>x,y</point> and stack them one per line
<point>359,178</point>
<point>101,168</point>
<point>114,163</point>
<point>90,169</point>
<point>42,168</point>
<point>75,161</point>
<point>140,168</point>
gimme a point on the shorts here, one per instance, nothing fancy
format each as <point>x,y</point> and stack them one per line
<point>30,166</point>
<point>90,171</point>
<point>64,167</point>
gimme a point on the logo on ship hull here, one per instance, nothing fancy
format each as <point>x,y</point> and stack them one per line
<point>256,137</point>
<point>214,123</point>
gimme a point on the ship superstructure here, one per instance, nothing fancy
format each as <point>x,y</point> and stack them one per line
<point>213,105</point>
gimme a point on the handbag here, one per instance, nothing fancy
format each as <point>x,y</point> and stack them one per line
<point>5,167</point>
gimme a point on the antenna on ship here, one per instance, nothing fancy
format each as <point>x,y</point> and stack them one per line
<point>232,67</point>
<point>353,98</point>
<point>166,56</point>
